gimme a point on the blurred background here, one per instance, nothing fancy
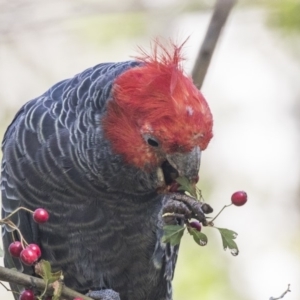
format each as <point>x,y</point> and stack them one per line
<point>253,88</point>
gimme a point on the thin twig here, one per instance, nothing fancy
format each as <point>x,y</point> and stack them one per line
<point>13,276</point>
<point>2,221</point>
<point>218,19</point>
<point>211,222</point>
<point>7,289</point>
<point>284,293</point>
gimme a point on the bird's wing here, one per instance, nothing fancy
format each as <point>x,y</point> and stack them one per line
<point>49,117</point>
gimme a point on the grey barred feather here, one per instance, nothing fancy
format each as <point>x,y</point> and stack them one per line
<point>104,229</point>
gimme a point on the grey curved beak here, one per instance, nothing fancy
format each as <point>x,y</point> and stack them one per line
<point>186,164</point>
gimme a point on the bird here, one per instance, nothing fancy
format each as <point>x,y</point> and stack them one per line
<point>100,152</point>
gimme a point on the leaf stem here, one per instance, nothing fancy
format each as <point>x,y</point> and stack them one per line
<point>210,223</point>
<point>4,220</point>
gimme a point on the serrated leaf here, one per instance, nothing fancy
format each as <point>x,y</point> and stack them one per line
<point>228,237</point>
<point>1,252</point>
<point>57,286</point>
<point>173,234</point>
<point>186,186</point>
<point>56,275</point>
<point>43,268</point>
<point>199,237</point>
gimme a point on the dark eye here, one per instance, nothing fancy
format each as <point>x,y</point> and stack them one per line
<point>152,142</point>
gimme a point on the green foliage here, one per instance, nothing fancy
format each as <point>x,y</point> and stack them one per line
<point>102,29</point>
<point>201,272</point>
<point>44,270</point>
<point>285,14</point>
<point>199,237</point>
<point>196,5</point>
<point>228,237</point>
<point>173,234</point>
<point>186,186</point>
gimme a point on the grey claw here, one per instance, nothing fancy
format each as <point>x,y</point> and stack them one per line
<point>188,207</point>
<point>207,209</point>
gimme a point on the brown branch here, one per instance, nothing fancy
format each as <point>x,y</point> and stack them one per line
<point>13,276</point>
<point>284,293</point>
<point>218,19</point>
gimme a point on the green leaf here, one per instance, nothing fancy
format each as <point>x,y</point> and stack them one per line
<point>186,186</point>
<point>228,237</point>
<point>43,268</point>
<point>57,286</point>
<point>1,252</point>
<point>173,234</point>
<point>199,237</point>
<point>56,276</point>
<point>46,269</point>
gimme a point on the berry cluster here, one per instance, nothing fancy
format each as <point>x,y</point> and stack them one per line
<point>28,294</point>
<point>29,254</point>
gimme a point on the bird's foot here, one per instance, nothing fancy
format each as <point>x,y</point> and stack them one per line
<point>105,294</point>
<point>178,207</point>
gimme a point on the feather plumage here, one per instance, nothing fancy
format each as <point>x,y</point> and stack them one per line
<point>64,152</point>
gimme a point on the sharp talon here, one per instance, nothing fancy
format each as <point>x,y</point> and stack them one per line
<point>185,207</point>
<point>207,209</point>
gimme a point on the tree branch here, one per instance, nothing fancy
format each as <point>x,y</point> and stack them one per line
<point>284,293</point>
<point>218,19</point>
<point>13,276</point>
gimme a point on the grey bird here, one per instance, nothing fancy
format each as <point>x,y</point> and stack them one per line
<point>101,153</point>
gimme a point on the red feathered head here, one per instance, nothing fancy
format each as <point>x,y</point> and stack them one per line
<point>156,110</point>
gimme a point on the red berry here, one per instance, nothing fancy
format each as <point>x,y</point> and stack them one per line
<point>28,256</point>
<point>27,295</point>
<point>15,249</point>
<point>40,215</point>
<point>174,187</point>
<point>196,225</point>
<point>196,179</point>
<point>36,249</point>
<point>77,298</point>
<point>239,198</point>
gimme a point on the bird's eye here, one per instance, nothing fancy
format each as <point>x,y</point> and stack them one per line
<point>152,142</point>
